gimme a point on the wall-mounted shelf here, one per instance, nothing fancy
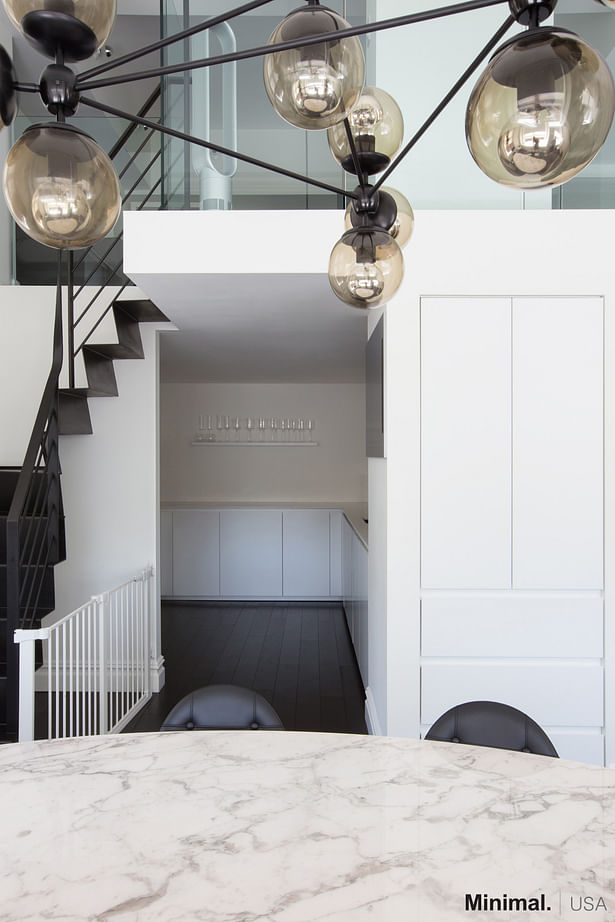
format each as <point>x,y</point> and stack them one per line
<point>256,444</point>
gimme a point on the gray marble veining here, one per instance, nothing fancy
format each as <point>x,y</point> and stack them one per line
<point>300,827</point>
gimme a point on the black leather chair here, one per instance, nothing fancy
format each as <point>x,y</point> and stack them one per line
<point>222,707</point>
<point>490,723</point>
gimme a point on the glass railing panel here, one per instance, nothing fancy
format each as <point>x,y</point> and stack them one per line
<point>594,187</point>
<point>191,177</point>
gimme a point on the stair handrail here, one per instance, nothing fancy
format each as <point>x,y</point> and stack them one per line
<point>41,455</point>
<point>100,263</point>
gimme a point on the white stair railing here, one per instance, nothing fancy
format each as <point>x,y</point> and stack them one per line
<point>97,664</point>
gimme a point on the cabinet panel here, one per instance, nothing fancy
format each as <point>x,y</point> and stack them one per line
<point>250,553</point>
<point>521,627</point>
<point>360,638</point>
<point>565,695</point>
<point>196,553</point>
<point>306,552</point>
<point>558,442</point>
<point>465,443</point>
<point>166,552</point>
<point>347,538</point>
<point>335,550</point>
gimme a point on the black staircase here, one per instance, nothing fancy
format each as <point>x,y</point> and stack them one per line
<point>32,537</point>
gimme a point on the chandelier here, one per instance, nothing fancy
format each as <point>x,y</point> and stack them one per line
<point>539,113</point>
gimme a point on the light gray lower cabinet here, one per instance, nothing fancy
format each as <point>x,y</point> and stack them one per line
<point>250,553</point>
<point>196,552</point>
<point>306,553</point>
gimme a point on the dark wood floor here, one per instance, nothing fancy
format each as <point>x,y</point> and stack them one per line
<point>299,657</point>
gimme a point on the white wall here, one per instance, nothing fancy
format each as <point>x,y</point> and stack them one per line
<point>26,331</point>
<point>336,470</point>
<point>483,256</point>
<point>110,486</point>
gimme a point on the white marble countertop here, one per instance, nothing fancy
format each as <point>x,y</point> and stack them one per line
<point>298,827</point>
<point>356,513</point>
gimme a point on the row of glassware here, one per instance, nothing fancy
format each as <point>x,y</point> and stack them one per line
<point>223,428</point>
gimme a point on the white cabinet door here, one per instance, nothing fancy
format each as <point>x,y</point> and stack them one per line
<point>250,553</point>
<point>465,443</point>
<point>361,615</point>
<point>166,552</point>
<point>196,553</point>
<point>557,443</point>
<point>347,539</point>
<point>305,552</point>
<point>335,551</point>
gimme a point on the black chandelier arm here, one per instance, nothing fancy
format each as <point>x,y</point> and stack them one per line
<point>171,39</point>
<point>424,16</point>
<point>362,179</point>
<point>182,136</point>
<point>449,96</point>
<point>26,87</point>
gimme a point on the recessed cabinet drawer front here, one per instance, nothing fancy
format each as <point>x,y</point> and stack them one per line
<point>557,443</point>
<point>250,553</point>
<point>558,694</point>
<point>512,627</point>
<point>465,443</point>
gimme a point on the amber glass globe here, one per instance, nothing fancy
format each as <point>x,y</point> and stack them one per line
<point>403,225</point>
<point>315,86</point>
<point>60,187</point>
<point>366,267</point>
<point>377,127</point>
<point>541,110</point>
<point>97,16</point>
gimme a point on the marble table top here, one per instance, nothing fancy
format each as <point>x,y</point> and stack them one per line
<point>300,827</point>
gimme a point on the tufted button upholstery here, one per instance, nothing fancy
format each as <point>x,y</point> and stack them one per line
<point>490,723</point>
<point>222,707</point>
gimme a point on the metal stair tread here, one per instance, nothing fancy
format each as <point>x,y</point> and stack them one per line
<point>142,310</point>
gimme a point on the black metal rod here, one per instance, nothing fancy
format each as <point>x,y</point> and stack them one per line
<point>222,150</point>
<point>171,39</point>
<point>449,96</point>
<point>70,321</point>
<point>425,16</point>
<point>26,87</point>
<point>123,138</point>
<point>353,152</point>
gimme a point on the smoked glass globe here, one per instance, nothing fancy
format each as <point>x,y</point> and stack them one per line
<point>315,86</point>
<point>60,187</point>
<point>403,225</point>
<point>365,268</point>
<point>35,18</point>
<point>377,127</point>
<point>541,110</point>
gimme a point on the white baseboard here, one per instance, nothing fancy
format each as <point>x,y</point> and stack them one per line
<point>371,715</point>
<point>157,674</point>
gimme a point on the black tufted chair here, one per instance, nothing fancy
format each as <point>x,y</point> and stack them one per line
<point>222,707</point>
<point>489,723</point>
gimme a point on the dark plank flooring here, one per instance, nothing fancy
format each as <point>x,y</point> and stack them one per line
<point>298,656</point>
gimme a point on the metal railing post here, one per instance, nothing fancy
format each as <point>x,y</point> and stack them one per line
<point>101,602</point>
<point>25,641</point>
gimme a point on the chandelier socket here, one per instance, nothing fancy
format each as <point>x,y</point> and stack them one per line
<point>531,12</point>
<point>374,209</point>
<point>59,90</point>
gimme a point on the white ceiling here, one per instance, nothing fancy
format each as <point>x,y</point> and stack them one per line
<point>257,328</point>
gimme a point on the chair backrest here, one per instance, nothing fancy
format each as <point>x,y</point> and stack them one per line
<point>222,707</point>
<point>490,723</point>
